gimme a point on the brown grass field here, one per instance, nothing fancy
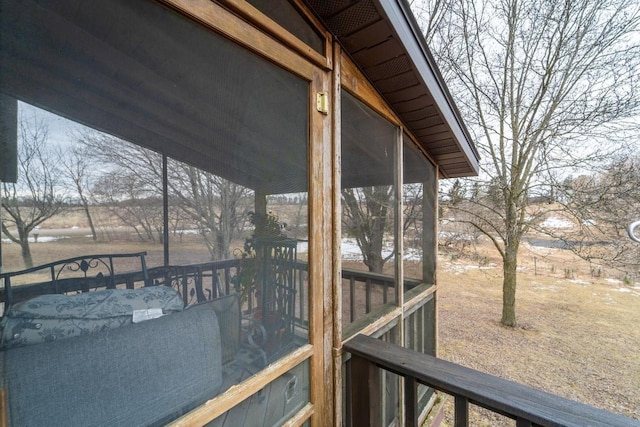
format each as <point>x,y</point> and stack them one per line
<point>578,336</point>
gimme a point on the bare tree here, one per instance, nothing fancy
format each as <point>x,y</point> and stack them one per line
<point>128,181</point>
<point>602,206</point>
<point>132,201</point>
<point>36,197</point>
<point>542,84</point>
<point>432,15</point>
<point>217,206</point>
<point>77,166</point>
<point>366,216</point>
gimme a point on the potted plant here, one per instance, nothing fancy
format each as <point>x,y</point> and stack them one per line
<point>265,322</point>
<point>246,279</point>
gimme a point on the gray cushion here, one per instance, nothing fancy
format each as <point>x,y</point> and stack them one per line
<point>51,317</point>
<point>227,310</point>
<point>142,374</point>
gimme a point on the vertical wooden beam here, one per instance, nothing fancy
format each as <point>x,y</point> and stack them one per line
<point>435,277</point>
<point>461,406</point>
<point>165,209</point>
<point>260,203</point>
<point>8,147</point>
<point>348,403</point>
<point>385,393</point>
<point>8,139</point>
<point>399,264</point>
<point>429,227</point>
<point>399,221</point>
<point>3,408</point>
<point>366,393</point>
<point>352,298</point>
<point>411,411</point>
<point>336,285</point>
<point>320,254</point>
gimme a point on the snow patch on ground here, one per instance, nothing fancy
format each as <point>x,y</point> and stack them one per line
<point>579,281</point>
<point>461,268</point>
<point>303,247</point>
<point>552,288</point>
<point>556,223</point>
<point>43,239</point>
<point>631,291</point>
<point>351,251</point>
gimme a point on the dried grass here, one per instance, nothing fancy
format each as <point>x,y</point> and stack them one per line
<point>578,338</point>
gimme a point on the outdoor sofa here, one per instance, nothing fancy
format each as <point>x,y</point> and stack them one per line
<point>103,357</point>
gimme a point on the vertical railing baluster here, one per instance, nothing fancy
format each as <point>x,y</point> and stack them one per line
<point>185,288</point>
<point>54,280</point>
<point>367,296</point>
<point>385,287</point>
<point>301,295</point>
<point>366,393</point>
<point>348,394</point>
<point>420,329</point>
<point>9,293</point>
<point>411,402</point>
<point>461,411</point>
<point>411,329</point>
<point>352,298</point>
<point>227,281</point>
<point>112,273</point>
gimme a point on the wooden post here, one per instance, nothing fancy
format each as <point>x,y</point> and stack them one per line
<point>411,410</point>
<point>165,211</point>
<point>3,408</point>
<point>336,225</point>
<point>521,422</point>
<point>366,393</point>
<point>352,298</point>
<point>461,411</point>
<point>8,139</point>
<point>260,203</point>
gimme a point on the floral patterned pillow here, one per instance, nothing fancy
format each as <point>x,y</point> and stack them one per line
<point>52,317</point>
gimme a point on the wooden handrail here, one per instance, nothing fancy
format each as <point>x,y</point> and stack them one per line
<point>528,406</point>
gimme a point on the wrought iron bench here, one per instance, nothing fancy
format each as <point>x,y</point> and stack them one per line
<point>74,275</point>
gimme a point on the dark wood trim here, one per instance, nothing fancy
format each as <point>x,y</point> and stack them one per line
<point>367,379</point>
<point>412,411</point>
<point>523,403</point>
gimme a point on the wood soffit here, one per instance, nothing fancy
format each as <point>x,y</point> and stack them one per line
<point>404,74</point>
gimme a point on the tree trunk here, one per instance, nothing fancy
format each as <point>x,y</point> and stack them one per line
<point>23,236</point>
<point>85,206</point>
<point>26,254</point>
<point>375,263</point>
<point>509,294</point>
<point>510,266</point>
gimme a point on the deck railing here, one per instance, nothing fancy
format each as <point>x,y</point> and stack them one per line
<point>208,280</point>
<point>528,406</point>
<point>360,281</point>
